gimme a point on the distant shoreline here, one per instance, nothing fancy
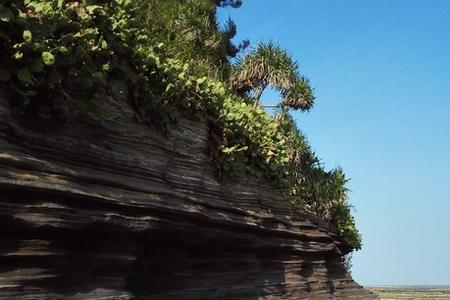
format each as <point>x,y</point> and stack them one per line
<point>431,286</point>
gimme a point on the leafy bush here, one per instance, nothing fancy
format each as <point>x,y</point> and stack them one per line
<point>344,221</point>
<point>60,58</point>
<point>57,56</point>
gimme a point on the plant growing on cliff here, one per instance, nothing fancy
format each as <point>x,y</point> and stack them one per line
<point>62,58</point>
<point>269,65</point>
<point>57,56</point>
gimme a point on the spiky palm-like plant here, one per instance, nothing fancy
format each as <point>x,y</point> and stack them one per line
<point>337,189</point>
<point>326,190</point>
<point>269,65</point>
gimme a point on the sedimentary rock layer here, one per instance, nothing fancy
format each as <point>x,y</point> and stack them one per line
<point>119,211</point>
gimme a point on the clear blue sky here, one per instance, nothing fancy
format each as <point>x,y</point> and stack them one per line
<point>381,70</point>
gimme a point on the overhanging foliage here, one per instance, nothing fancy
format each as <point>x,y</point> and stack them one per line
<point>61,58</point>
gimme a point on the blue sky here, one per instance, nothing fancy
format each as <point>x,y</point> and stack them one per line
<point>381,70</point>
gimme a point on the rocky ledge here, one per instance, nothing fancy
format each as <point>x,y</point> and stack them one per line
<point>118,211</point>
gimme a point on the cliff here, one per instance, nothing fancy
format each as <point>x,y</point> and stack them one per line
<point>119,211</point>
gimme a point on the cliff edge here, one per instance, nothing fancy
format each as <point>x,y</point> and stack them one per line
<point>119,211</point>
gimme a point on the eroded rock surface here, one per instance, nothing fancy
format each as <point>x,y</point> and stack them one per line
<point>119,211</point>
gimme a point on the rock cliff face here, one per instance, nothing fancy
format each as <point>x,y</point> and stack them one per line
<point>119,211</point>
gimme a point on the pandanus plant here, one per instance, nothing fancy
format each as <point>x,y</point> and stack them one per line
<point>327,191</point>
<point>269,65</point>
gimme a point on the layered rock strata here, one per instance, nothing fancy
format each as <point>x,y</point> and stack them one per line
<point>118,211</point>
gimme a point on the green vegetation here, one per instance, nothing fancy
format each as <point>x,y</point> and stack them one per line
<point>60,59</point>
<point>268,65</point>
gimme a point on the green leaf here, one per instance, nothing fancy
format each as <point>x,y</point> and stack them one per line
<point>18,55</point>
<point>103,45</point>
<point>48,58</point>
<point>202,80</point>
<point>63,49</point>
<point>93,8</point>
<point>27,36</point>
<point>228,150</point>
<point>169,87</point>
<point>89,33</point>
<point>106,67</point>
